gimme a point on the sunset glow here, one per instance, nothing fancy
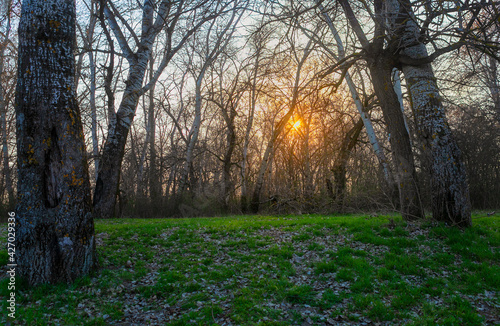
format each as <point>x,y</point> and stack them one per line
<point>296,125</point>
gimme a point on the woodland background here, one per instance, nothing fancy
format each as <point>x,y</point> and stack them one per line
<point>258,77</point>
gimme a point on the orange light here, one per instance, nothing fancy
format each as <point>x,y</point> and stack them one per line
<point>296,125</point>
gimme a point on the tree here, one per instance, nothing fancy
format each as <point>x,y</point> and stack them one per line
<point>156,17</point>
<point>54,226</point>
<point>211,51</point>
<point>5,42</point>
<point>381,63</point>
<point>450,191</point>
<point>279,128</point>
<point>226,93</point>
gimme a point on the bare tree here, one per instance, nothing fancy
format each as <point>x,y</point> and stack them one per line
<point>55,228</point>
<point>381,63</point>
<point>226,91</point>
<point>164,16</point>
<point>450,192</point>
<point>211,52</point>
<point>5,42</point>
<point>279,129</point>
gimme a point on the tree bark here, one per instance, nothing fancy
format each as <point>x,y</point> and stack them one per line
<point>381,63</point>
<point>3,116</point>
<point>492,80</point>
<point>55,228</point>
<point>409,197</point>
<point>359,106</point>
<point>108,177</point>
<point>450,191</point>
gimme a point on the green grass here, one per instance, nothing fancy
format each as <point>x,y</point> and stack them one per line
<point>277,270</point>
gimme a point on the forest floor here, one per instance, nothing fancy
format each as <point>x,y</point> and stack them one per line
<point>277,270</point>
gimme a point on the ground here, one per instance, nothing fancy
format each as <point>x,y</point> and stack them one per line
<point>278,270</point>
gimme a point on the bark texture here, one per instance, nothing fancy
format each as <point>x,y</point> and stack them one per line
<point>450,191</point>
<point>381,63</point>
<point>381,70</point>
<point>55,228</point>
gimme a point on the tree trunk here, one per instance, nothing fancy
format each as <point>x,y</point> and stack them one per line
<point>409,197</point>
<point>55,228</point>
<point>3,118</point>
<point>154,177</point>
<point>450,191</point>
<point>226,171</point>
<point>193,137</point>
<point>108,179</point>
<point>255,202</point>
<point>88,41</point>
<point>492,80</point>
<point>359,106</point>
<point>339,170</point>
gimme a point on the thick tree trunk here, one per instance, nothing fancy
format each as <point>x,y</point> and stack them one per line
<point>381,64</point>
<point>409,197</point>
<point>55,228</point>
<point>450,191</point>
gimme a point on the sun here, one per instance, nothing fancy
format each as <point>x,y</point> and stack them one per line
<point>296,125</point>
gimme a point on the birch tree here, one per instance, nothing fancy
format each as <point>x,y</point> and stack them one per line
<point>340,56</point>
<point>156,17</point>
<point>54,225</point>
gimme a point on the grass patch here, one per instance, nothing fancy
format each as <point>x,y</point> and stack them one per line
<point>270,270</point>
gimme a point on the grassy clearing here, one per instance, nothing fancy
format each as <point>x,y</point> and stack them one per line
<point>287,270</point>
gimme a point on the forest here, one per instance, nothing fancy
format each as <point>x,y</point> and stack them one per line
<point>216,107</point>
<point>384,109</point>
<point>239,162</point>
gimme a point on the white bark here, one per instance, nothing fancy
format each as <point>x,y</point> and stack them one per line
<point>399,92</point>
<point>493,85</point>
<point>450,192</point>
<point>357,101</point>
